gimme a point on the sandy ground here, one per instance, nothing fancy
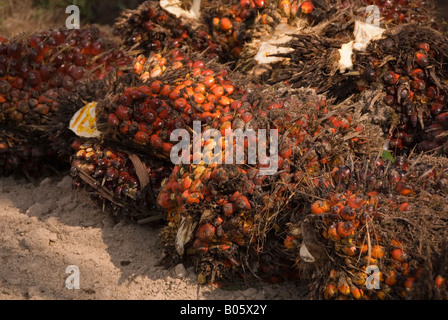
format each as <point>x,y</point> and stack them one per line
<point>45,226</point>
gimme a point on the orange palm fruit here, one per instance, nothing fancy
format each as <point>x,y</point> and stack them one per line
<point>345,229</point>
<point>319,207</point>
<point>333,233</point>
<point>343,286</point>
<point>290,243</point>
<point>391,278</point>
<point>205,232</point>
<point>377,251</point>
<point>399,255</point>
<point>439,281</point>
<point>307,7</point>
<point>330,291</point>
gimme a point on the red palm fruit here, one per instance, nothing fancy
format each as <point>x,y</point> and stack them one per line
<point>409,283</point>
<point>227,209</point>
<point>180,104</point>
<point>333,233</point>
<point>424,46</point>
<point>356,292</point>
<point>194,198</point>
<point>442,119</point>
<point>419,85</point>
<point>330,291</point>
<point>228,88</point>
<point>336,209</point>
<point>156,141</point>
<point>205,232</point>
<point>418,74</point>
<point>217,90</point>
<point>422,59</point>
<point>224,101</point>
<point>391,278</point>
<point>259,3</point>
<point>350,250</point>
<point>343,286</point>
<point>439,281</point>
<point>436,108</point>
<point>199,88</point>
<point>209,81</point>
<point>201,246</point>
<point>377,251</point>
<point>345,229</point>
<point>399,255</point>
<point>141,137</point>
<point>242,203</point>
<point>319,207</point>
<point>290,243</point>
<point>391,77</point>
<point>347,213</point>
<point>307,7</point>
<point>225,24</point>
<point>123,113</point>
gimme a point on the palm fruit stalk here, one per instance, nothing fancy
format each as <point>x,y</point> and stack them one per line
<point>152,28</point>
<point>409,80</point>
<point>124,184</point>
<point>228,219</point>
<point>375,213</point>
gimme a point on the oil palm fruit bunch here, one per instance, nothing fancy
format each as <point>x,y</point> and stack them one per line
<point>411,82</point>
<point>174,91</point>
<point>158,25</point>
<point>124,184</point>
<point>376,214</point>
<point>228,218</point>
<point>36,69</point>
<point>22,154</point>
<point>395,12</point>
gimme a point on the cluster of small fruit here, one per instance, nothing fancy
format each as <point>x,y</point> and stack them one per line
<point>120,182</point>
<point>150,28</point>
<point>36,69</point>
<point>149,112</point>
<point>357,227</point>
<point>235,205</point>
<point>396,12</point>
<point>413,91</point>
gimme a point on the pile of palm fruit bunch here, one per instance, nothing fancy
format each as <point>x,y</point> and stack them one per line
<point>230,218</point>
<point>349,188</point>
<point>37,70</point>
<point>376,212</point>
<point>172,90</point>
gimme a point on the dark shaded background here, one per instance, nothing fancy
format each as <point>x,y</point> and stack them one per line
<point>442,8</point>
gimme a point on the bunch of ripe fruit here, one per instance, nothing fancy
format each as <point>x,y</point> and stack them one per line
<point>119,181</point>
<point>374,214</point>
<point>412,86</point>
